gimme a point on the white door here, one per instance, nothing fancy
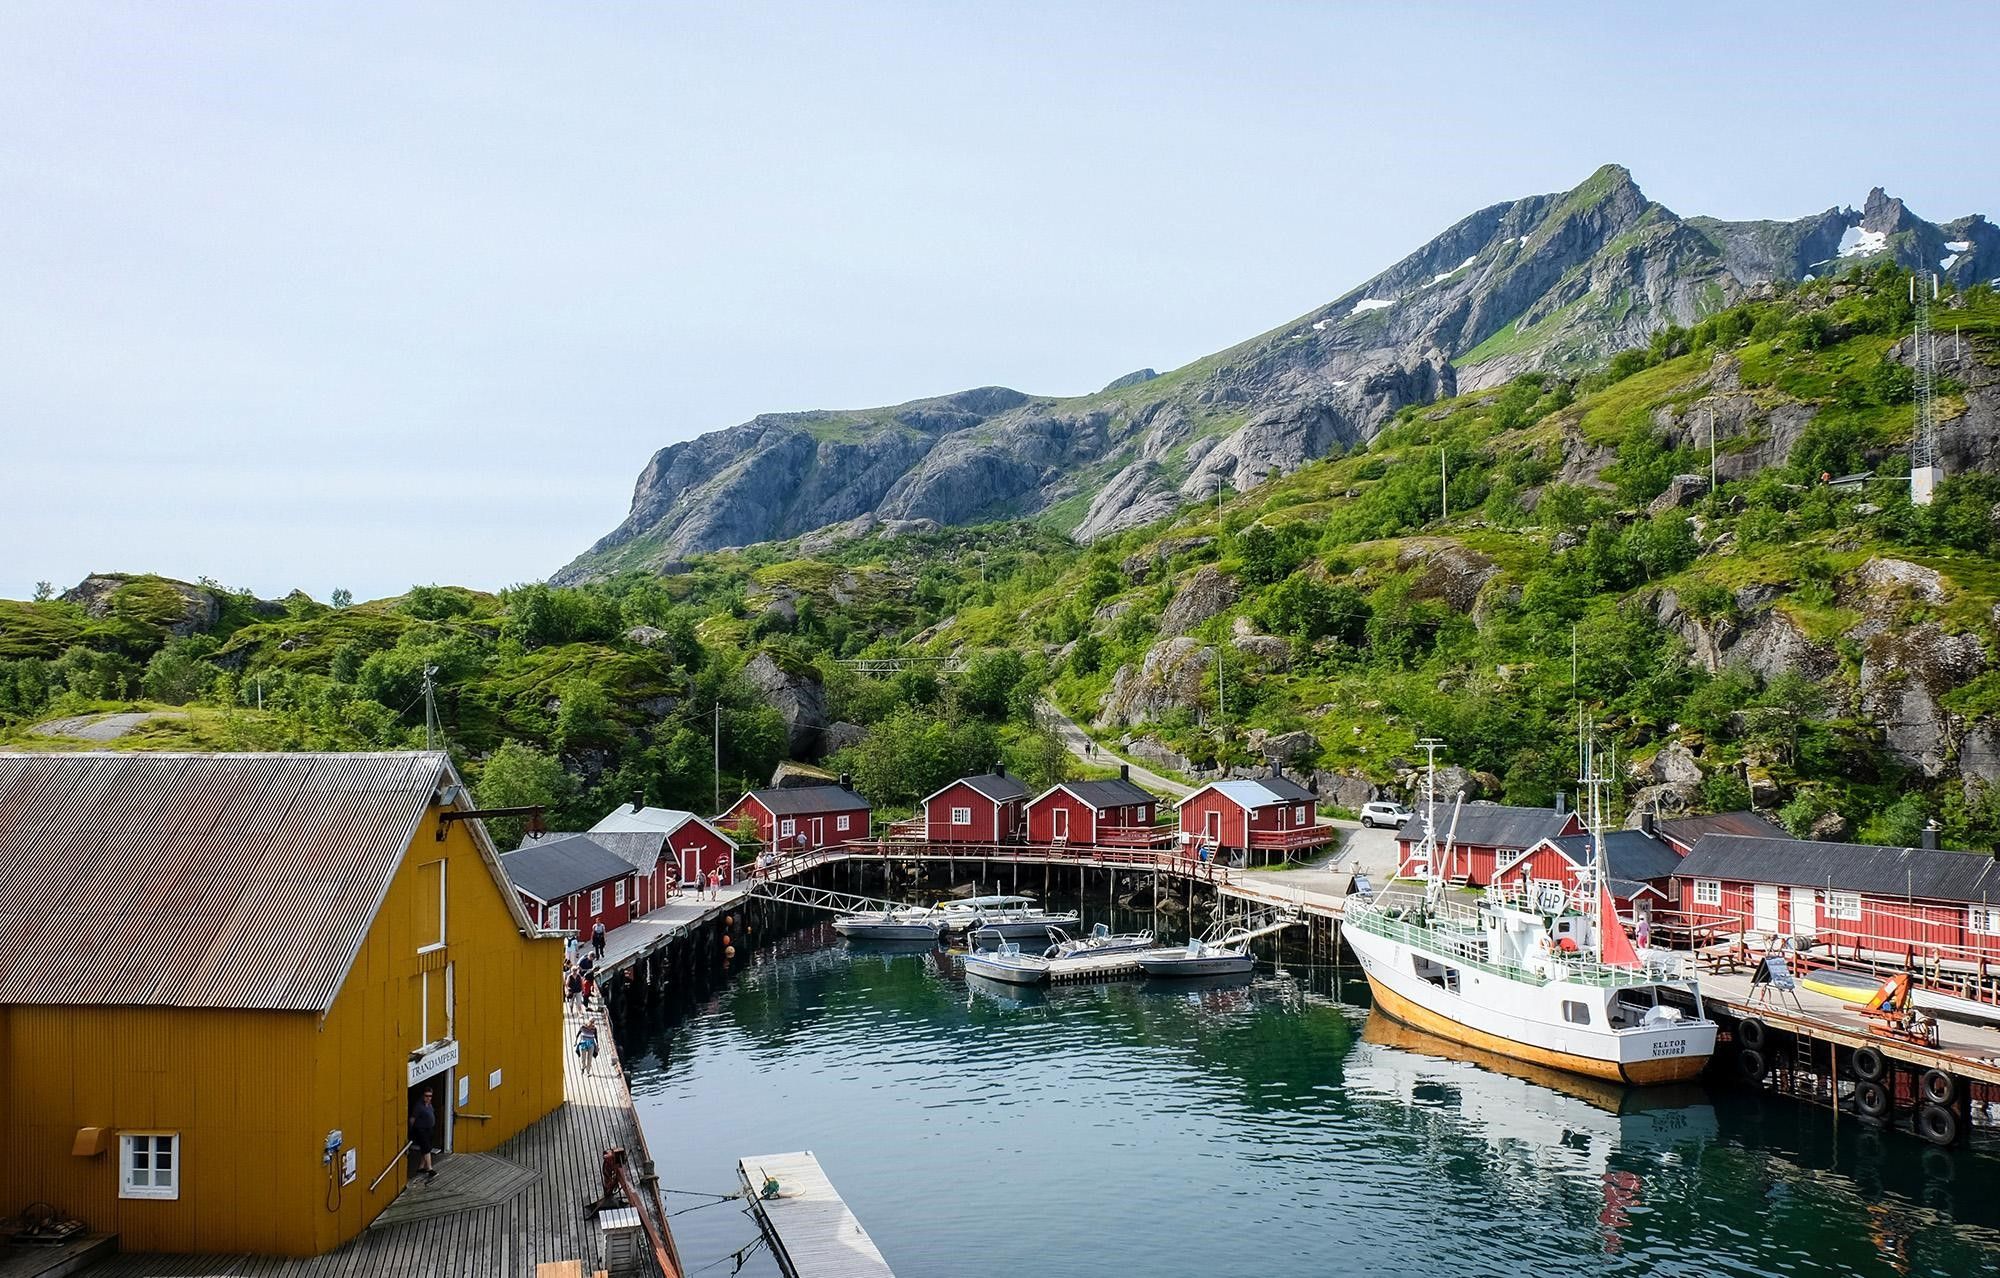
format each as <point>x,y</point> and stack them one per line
<point>1061,823</point>
<point>1805,913</point>
<point>1764,908</point>
<point>819,832</point>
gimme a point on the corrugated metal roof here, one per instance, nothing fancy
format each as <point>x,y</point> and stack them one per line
<point>1628,854</point>
<point>198,880</point>
<point>1687,831</point>
<point>1920,873</point>
<point>640,848</point>
<point>623,820</point>
<point>551,870</point>
<point>1487,825</point>
<point>997,786</point>
<point>1260,792</point>
<point>796,800</point>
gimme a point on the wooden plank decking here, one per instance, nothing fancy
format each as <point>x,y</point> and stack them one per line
<point>510,1211</point>
<point>811,1231</point>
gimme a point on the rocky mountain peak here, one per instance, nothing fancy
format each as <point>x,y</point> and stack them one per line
<point>1556,281</point>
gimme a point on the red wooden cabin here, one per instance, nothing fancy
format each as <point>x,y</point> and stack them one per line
<point>1862,901</point>
<point>1267,819</point>
<point>573,883</point>
<point>802,818</point>
<point>1113,813</point>
<point>1640,866</point>
<point>990,808</point>
<point>690,847</point>
<point>1485,835</point>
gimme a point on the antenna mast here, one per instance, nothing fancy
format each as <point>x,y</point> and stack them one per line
<point>1925,473</point>
<point>1430,746</point>
<point>431,732</point>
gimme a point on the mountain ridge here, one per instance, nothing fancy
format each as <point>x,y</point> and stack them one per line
<point>1547,282</point>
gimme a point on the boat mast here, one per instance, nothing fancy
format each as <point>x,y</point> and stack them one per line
<point>1594,784</point>
<point>1432,883</point>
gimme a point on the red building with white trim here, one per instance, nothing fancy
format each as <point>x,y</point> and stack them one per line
<point>686,849</point>
<point>802,818</point>
<point>1266,818</point>
<point>1858,900</point>
<point>1473,838</point>
<point>991,808</point>
<point>573,884</point>
<point>1113,813</point>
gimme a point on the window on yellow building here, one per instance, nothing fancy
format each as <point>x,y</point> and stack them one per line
<point>427,907</point>
<point>149,1165</point>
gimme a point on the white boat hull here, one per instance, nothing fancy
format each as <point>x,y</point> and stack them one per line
<point>1014,929</point>
<point>1178,962</point>
<point>1014,969</point>
<point>1525,1020</point>
<point>871,929</point>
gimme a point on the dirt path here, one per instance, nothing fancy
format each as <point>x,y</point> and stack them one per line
<point>1097,756</point>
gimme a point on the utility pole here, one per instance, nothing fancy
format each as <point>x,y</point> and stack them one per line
<point>1711,448</point>
<point>1925,473</point>
<point>1444,489</point>
<point>430,708</point>
<point>718,755</point>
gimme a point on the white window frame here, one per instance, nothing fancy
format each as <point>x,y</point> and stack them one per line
<point>443,897</point>
<point>1983,920</point>
<point>596,901</point>
<point>959,816</point>
<point>1708,891</point>
<point>1299,813</point>
<point>618,892</point>
<point>128,1145</point>
<point>787,828</point>
<point>1845,906</point>
<point>840,823</point>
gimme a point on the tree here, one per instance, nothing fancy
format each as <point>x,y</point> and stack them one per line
<point>342,597</point>
<point>988,684</point>
<point>583,716</point>
<point>179,672</point>
<point>516,776</point>
<point>44,591</point>
<point>1049,759</point>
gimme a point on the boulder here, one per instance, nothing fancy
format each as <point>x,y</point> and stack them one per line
<point>1674,765</point>
<point>1152,750</point>
<point>1268,651</point>
<point>1449,572</point>
<point>1346,789</point>
<point>839,736</point>
<point>1170,677</point>
<point>799,697</point>
<point>645,636</point>
<point>1665,800</point>
<point>1682,491</point>
<point>1108,613</point>
<point>1207,593</point>
<point>1282,746</point>
<point>1882,581</point>
<point>1831,827</point>
<point>181,609</point>
<point>1979,758</point>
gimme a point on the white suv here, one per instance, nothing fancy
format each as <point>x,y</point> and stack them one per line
<point>1384,813</point>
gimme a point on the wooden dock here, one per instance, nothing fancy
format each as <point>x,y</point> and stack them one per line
<point>502,1213</point>
<point>811,1232</point>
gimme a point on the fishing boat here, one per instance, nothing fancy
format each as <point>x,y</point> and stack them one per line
<point>913,924</point>
<point>1005,962</point>
<point>1227,957</point>
<point>1017,918</point>
<point>1544,973</point>
<point>1102,940</point>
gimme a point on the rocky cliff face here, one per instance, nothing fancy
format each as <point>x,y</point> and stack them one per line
<point>1549,281</point>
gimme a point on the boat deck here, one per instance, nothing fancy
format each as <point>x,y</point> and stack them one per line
<point>811,1231</point>
<point>1972,1051</point>
<point>499,1213</point>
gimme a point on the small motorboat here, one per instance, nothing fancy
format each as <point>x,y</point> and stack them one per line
<point>1199,957</point>
<point>1006,962</point>
<point>1017,918</point>
<point>1102,940</point>
<point>890,925</point>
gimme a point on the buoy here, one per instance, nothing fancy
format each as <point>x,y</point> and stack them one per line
<point>728,953</point>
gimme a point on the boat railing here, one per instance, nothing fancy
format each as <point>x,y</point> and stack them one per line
<point>1470,951</point>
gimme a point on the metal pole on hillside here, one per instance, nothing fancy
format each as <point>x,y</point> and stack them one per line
<point>1711,448</point>
<point>1444,489</point>
<point>718,756</point>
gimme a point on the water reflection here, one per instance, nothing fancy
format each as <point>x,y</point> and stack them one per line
<point>1266,1124</point>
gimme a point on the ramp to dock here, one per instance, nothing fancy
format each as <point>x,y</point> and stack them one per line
<point>811,1231</point>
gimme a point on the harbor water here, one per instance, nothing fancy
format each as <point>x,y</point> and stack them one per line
<point>1267,1126</point>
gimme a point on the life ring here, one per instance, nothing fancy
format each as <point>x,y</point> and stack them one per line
<point>1937,1087</point>
<point>1750,1064</point>
<point>1871,1099</point>
<point>1937,1125</point>
<point>1752,1033</point>
<point>1868,1065</point>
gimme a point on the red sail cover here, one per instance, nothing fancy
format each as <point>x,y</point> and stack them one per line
<point>1614,947</point>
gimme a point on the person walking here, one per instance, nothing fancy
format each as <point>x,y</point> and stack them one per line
<point>423,1129</point>
<point>589,991</point>
<point>597,939</point>
<point>714,884</point>
<point>586,1046</point>
<point>574,987</point>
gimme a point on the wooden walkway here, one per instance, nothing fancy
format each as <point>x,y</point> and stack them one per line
<point>505,1212</point>
<point>811,1231</point>
<point>1971,1051</point>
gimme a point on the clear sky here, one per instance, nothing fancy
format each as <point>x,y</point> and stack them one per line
<point>352,295</point>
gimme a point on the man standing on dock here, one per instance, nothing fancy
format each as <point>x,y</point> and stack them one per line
<point>597,939</point>
<point>423,1126</point>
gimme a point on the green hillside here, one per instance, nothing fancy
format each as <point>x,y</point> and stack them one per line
<point>1830,650</point>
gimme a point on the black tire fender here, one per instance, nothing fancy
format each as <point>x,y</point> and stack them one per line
<point>1752,1033</point>
<point>1871,1099</point>
<point>1750,1064</point>
<point>1937,1087</point>
<point>1868,1065</point>
<point>1937,1125</point>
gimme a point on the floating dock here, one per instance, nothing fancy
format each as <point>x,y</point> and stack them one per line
<point>811,1232</point>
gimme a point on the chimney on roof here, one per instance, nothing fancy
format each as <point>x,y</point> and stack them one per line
<point>847,780</point>
<point>638,800</point>
<point>999,769</point>
<point>1124,772</point>
<point>1646,824</point>
<point>1562,803</point>
<point>1931,835</point>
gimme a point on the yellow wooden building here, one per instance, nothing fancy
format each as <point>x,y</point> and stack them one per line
<point>223,977</point>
